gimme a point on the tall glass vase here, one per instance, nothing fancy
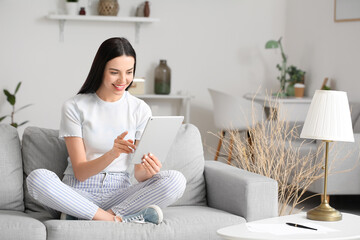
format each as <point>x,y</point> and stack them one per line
<point>162,78</point>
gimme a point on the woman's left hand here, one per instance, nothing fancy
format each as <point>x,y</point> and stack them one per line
<point>151,164</point>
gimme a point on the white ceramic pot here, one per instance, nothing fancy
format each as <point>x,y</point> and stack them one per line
<point>72,8</point>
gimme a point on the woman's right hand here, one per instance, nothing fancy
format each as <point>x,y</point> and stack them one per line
<point>83,169</point>
<point>122,146</point>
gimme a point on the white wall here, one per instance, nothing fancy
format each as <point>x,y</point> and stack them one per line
<point>322,47</point>
<point>208,44</point>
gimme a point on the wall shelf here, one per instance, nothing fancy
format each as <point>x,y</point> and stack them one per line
<point>137,20</point>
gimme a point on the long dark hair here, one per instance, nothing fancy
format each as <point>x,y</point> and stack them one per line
<point>109,49</point>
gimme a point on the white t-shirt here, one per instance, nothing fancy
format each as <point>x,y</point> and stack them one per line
<point>99,123</point>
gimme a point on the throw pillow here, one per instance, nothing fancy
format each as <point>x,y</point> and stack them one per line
<point>11,181</point>
<point>187,156</point>
<point>41,148</point>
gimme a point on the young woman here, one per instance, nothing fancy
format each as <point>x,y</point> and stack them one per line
<point>100,126</point>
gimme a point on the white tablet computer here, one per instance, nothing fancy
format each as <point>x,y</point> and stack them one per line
<point>158,136</point>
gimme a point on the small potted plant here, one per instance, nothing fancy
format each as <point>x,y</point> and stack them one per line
<point>296,75</point>
<point>11,98</point>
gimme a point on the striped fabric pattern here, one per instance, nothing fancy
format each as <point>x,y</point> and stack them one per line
<point>104,190</point>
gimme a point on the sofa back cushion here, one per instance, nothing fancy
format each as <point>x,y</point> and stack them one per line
<point>187,156</point>
<point>11,179</point>
<point>42,148</point>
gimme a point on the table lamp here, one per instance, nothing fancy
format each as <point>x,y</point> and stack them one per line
<point>328,119</point>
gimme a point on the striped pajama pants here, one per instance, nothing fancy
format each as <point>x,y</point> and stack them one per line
<point>104,190</point>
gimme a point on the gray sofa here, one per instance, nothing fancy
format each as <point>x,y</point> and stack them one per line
<point>217,195</point>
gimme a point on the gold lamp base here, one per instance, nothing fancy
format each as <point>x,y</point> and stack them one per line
<point>324,212</point>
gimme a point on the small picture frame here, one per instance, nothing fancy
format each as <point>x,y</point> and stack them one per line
<point>346,10</point>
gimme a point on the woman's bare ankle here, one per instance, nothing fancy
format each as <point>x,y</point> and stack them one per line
<point>116,218</point>
<point>111,212</point>
<point>103,215</point>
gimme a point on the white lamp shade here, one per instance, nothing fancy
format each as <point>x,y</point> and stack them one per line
<point>328,117</point>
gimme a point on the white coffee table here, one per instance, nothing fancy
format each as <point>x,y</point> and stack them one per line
<point>275,228</point>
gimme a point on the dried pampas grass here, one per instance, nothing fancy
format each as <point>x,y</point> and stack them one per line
<point>272,148</point>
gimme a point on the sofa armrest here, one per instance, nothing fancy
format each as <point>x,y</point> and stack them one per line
<point>240,192</point>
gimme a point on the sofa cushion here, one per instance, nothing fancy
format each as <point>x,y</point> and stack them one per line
<point>42,148</point>
<point>186,155</point>
<point>19,226</point>
<point>11,179</point>
<point>185,222</point>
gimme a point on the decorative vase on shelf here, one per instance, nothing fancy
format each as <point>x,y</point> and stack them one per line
<point>143,9</point>
<point>108,7</point>
<point>82,11</point>
<point>146,9</point>
<point>162,78</point>
<point>72,8</point>
<point>290,90</point>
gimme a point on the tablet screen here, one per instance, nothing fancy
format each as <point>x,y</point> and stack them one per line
<point>158,136</point>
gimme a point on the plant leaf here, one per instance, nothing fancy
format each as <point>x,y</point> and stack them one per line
<point>28,105</point>
<point>6,92</point>
<point>22,123</point>
<point>15,125</point>
<point>3,117</point>
<point>10,98</point>
<point>272,44</point>
<point>17,88</point>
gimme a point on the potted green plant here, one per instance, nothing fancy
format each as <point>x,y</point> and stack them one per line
<point>11,98</point>
<point>296,75</point>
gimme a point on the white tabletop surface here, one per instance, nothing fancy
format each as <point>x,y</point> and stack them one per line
<point>275,228</point>
<point>288,108</point>
<point>261,98</point>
